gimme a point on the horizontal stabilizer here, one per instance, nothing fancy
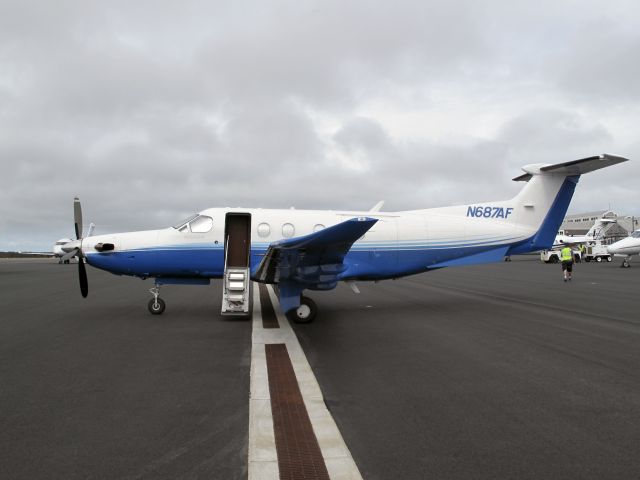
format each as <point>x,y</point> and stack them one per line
<point>575,167</point>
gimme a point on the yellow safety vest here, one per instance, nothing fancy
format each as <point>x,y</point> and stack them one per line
<point>566,254</point>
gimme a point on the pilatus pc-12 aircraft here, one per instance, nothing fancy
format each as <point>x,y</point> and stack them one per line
<point>298,250</point>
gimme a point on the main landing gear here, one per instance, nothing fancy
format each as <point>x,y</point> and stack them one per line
<point>625,263</point>
<point>305,313</point>
<point>156,305</point>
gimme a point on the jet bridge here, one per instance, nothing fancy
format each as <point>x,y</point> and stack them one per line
<point>236,280</point>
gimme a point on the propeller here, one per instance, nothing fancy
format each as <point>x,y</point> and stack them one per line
<point>75,248</point>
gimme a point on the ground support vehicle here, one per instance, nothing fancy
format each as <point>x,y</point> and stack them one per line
<point>554,255</point>
<point>597,252</point>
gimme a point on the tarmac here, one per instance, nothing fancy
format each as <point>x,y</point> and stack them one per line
<point>484,372</point>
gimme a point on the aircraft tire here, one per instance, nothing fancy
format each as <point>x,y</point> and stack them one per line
<point>305,313</point>
<point>156,308</point>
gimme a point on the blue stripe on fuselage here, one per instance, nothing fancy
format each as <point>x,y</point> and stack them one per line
<point>191,262</point>
<point>208,262</point>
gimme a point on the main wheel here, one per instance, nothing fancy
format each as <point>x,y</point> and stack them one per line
<point>156,307</point>
<point>305,313</point>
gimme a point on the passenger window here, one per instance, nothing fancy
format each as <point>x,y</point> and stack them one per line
<point>264,230</point>
<point>318,227</point>
<point>288,230</point>
<point>201,224</point>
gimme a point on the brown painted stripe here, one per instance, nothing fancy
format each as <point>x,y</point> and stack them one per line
<point>299,455</point>
<point>269,318</point>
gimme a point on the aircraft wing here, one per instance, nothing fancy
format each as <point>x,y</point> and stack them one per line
<point>314,260</point>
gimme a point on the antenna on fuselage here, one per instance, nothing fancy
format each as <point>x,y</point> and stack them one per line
<point>377,206</point>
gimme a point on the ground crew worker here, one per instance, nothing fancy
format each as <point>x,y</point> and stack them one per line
<point>566,255</point>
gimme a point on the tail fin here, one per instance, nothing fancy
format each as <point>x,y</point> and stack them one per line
<point>542,204</point>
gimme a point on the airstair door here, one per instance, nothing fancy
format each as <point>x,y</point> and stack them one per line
<point>237,249</point>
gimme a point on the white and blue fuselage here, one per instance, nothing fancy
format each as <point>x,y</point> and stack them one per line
<point>315,249</point>
<point>399,244</point>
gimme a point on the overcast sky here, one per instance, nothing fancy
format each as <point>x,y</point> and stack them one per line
<point>151,110</point>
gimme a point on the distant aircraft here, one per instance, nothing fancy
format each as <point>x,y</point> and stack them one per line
<point>58,252</point>
<point>593,234</point>
<point>298,250</point>
<point>627,247</point>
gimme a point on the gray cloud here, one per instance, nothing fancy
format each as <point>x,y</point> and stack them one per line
<point>151,111</point>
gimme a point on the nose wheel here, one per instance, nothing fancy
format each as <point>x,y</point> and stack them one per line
<point>156,305</point>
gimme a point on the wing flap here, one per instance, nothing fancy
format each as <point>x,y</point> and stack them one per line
<point>316,259</point>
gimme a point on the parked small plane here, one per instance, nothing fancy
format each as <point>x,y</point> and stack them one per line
<point>627,247</point>
<point>300,250</point>
<point>58,252</point>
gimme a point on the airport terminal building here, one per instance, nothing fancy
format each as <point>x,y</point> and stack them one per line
<point>580,223</point>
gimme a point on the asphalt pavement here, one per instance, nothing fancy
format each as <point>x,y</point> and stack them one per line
<point>484,372</point>
<point>99,388</point>
<point>493,371</point>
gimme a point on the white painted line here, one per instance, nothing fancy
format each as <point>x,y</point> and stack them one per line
<point>262,449</point>
<point>263,459</point>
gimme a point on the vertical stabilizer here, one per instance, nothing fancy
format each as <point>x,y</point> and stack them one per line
<point>542,204</point>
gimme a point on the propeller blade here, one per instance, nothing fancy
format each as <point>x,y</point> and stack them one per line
<point>82,272</point>
<point>77,217</point>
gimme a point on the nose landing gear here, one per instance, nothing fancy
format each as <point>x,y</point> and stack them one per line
<point>156,305</point>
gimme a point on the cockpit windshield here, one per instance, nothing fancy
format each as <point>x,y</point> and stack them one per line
<point>196,224</point>
<point>636,234</point>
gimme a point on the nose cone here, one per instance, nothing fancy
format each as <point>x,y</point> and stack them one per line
<point>72,245</point>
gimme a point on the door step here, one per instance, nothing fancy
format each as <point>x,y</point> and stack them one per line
<point>235,291</point>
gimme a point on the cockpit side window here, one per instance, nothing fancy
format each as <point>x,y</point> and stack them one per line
<point>201,224</point>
